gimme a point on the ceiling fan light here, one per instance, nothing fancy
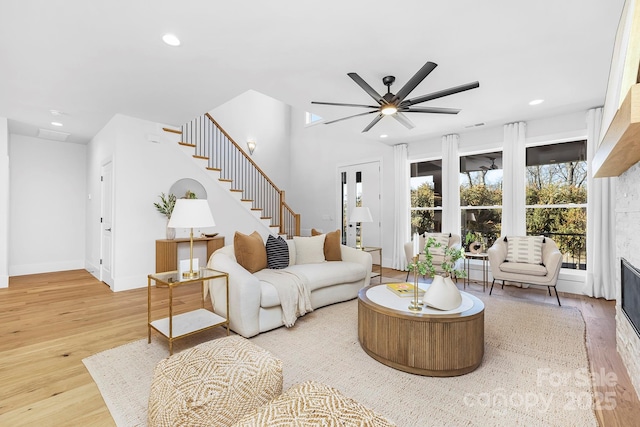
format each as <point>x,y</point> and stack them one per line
<point>387,110</point>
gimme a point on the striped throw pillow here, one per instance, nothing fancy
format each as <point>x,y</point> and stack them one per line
<point>277,252</point>
<point>526,249</point>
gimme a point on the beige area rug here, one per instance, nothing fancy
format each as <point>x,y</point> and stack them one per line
<point>534,371</point>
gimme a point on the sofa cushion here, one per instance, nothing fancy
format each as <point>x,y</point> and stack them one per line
<point>277,252</point>
<point>442,238</point>
<point>309,249</point>
<point>331,244</point>
<point>527,249</point>
<point>524,268</point>
<point>328,273</point>
<point>250,251</point>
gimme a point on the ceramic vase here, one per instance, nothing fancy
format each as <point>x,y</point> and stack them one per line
<point>442,294</point>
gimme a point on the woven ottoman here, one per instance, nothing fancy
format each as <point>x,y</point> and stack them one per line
<point>213,384</point>
<point>313,404</point>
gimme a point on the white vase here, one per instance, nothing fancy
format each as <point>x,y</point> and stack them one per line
<point>171,232</point>
<point>442,294</point>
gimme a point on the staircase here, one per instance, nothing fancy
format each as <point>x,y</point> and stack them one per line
<point>237,172</point>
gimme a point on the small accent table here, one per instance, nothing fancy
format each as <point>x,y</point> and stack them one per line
<point>191,322</point>
<point>379,273</point>
<point>485,267</point>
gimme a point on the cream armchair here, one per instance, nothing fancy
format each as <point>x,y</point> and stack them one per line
<point>544,273</point>
<point>454,241</point>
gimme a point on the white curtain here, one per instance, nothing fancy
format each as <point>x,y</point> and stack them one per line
<point>450,184</point>
<point>601,245</point>
<point>513,180</point>
<point>402,206</point>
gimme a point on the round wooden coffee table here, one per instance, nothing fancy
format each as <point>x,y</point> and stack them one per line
<point>432,342</point>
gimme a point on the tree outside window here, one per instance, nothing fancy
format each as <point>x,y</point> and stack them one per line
<point>426,196</point>
<point>557,197</point>
<point>481,195</point>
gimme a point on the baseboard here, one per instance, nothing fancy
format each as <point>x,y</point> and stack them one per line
<point>24,269</point>
<point>4,281</point>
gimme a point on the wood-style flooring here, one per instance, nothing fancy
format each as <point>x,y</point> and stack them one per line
<point>50,322</point>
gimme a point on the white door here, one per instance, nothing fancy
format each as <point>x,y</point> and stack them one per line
<point>106,224</point>
<point>360,186</point>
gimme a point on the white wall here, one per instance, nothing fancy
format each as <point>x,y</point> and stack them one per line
<point>47,204</point>
<point>253,115</point>
<point>4,203</point>
<point>143,170</point>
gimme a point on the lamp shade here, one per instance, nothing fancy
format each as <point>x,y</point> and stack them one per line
<point>191,213</point>
<point>360,214</point>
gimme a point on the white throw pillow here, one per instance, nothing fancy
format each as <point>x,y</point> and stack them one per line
<point>442,238</point>
<point>309,249</point>
<point>527,249</point>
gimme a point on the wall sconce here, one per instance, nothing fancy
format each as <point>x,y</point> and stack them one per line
<point>252,145</point>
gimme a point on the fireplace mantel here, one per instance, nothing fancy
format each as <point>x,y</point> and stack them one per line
<point>620,147</point>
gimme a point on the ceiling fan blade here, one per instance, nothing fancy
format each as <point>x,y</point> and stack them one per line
<point>435,110</point>
<point>349,117</point>
<point>404,120</point>
<point>439,94</point>
<point>376,120</point>
<point>365,86</point>
<point>345,105</point>
<point>415,81</point>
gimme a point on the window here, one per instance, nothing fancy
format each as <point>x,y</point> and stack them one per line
<point>310,118</point>
<point>481,195</point>
<point>557,197</point>
<point>426,196</point>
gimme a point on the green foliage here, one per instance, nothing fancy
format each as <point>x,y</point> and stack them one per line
<point>451,256</point>
<point>166,205</point>
<point>423,220</point>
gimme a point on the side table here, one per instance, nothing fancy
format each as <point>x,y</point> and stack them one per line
<point>379,273</point>
<point>181,325</point>
<point>485,267</point>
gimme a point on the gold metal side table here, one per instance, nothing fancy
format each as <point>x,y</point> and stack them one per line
<point>484,257</point>
<point>371,249</point>
<point>182,325</point>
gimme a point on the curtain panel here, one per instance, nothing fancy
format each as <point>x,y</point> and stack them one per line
<point>450,184</point>
<point>402,206</point>
<point>514,180</point>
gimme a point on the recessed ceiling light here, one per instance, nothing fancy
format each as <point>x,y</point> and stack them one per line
<point>384,135</point>
<point>171,40</point>
<point>56,123</point>
<point>56,113</point>
<point>536,102</point>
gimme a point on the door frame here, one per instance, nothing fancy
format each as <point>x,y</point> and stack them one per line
<point>106,278</point>
<point>338,187</point>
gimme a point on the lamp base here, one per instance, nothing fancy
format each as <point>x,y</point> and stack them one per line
<point>190,274</point>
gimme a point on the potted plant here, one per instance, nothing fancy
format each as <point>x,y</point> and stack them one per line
<point>443,294</point>
<point>474,241</point>
<point>165,207</point>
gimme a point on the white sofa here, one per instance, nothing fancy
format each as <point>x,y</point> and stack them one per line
<point>254,305</point>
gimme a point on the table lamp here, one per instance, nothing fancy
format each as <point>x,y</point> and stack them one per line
<point>190,213</point>
<point>360,214</point>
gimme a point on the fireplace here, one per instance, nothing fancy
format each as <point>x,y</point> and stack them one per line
<point>630,293</point>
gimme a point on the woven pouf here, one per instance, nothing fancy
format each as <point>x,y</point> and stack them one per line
<point>313,404</point>
<point>213,384</point>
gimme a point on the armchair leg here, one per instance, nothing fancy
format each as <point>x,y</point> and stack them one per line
<point>549,289</point>
<point>557,297</point>
<point>407,279</point>
<point>492,283</point>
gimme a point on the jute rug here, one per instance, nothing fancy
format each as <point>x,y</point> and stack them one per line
<point>534,371</point>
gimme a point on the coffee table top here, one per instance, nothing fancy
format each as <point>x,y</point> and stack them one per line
<point>380,295</point>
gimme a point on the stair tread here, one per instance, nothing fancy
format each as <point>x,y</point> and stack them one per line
<point>225,180</point>
<point>214,169</point>
<point>172,130</point>
<point>186,144</point>
<point>200,157</point>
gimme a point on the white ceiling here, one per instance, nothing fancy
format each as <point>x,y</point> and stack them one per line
<point>93,59</point>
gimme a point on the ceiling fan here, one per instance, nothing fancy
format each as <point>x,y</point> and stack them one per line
<point>395,105</point>
<point>493,165</point>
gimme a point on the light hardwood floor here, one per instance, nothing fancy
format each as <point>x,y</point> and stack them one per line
<point>50,322</point>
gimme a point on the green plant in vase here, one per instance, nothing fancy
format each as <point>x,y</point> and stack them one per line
<point>474,241</point>
<point>443,294</point>
<point>165,207</point>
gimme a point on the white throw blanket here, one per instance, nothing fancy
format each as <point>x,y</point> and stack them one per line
<point>294,294</point>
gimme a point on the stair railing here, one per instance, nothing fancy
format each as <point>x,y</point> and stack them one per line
<point>223,154</point>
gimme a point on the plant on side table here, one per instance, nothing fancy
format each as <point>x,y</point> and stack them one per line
<point>165,207</point>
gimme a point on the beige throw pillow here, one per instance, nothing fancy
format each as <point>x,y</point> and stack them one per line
<point>527,249</point>
<point>442,238</point>
<point>309,249</point>
<point>250,251</point>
